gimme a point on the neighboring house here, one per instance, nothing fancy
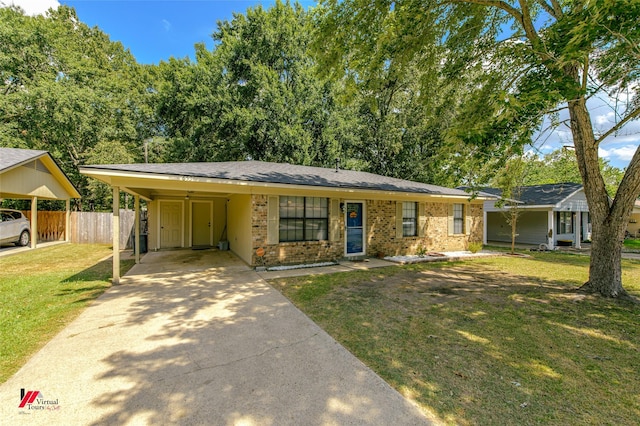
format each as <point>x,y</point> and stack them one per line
<point>295,214</point>
<point>552,214</point>
<point>634,222</point>
<point>34,175</point>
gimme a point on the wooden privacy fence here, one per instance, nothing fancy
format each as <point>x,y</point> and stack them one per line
<point>86,227</point>
<point>50,225</point>
<point>92,227</point>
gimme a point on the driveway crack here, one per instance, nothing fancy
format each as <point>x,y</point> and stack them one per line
<point>258,355</point>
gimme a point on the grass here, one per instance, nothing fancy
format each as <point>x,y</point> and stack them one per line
<point>632,243</point>
<point>43,290</point>
<point>491,341</point>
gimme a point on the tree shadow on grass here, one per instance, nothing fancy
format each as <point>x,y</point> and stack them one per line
<point>98,277</point>
<point>101,271</point>
<point>463,337</point>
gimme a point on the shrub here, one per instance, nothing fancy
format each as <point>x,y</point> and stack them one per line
<point>475,247</point>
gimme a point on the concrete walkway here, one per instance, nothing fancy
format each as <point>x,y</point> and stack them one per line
<point>196,337</point>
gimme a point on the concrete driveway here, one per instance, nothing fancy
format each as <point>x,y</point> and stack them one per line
<point>196,337</point>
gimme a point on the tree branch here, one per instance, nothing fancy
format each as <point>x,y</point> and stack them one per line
<point>558,9</point>
<point>634,114</point>
<point>585,74</point>
<point>546,6</point>
<point>553,111</point>
<point>522,16</point>
<point>496,3</point>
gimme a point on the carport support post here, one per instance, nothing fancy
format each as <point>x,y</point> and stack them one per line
<point>136,207</point>
<point>578,230</point>
<point>67,222</point>
<point>552,229</point>
<point>116,235</point>
<point>484,227</point>
<point>34,222</point>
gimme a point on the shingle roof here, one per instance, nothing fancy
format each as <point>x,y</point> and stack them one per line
<point>541,195</point>
<point>282,173</point>
<point>11,157</point>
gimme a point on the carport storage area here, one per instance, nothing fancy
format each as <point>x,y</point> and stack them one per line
<point>196,221</point>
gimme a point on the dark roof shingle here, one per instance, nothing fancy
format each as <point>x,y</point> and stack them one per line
<point>283,173</point>
<point>10,157</point>
<point>541,195</point>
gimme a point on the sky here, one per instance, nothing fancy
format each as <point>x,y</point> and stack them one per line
<point>155,30</point>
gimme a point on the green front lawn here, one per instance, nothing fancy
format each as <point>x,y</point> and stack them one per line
<point>493,341</point>
<point>43,290</point>
<point>632,243</point>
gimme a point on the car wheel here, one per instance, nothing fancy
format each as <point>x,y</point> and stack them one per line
<point>24,238</point>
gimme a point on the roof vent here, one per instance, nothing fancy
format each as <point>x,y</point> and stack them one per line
<point>337,165</point>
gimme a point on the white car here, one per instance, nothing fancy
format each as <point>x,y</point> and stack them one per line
<point>14,228</point>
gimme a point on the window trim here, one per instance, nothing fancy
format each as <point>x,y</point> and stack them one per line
<point>461,219</point>
<point>562,223</point>
<point>304,219</point>
<point>414,219</point>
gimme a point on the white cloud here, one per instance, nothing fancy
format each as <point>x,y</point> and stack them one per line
<point>32,7</point>
<point>624,153</point>
<point>166,24</point>
<point>605,119</point>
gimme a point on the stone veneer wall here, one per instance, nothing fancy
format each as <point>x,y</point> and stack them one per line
<point>381,235</point>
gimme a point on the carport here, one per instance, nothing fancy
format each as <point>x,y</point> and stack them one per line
<point>27,174</point>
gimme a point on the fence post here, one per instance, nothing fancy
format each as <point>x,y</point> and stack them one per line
<point>67,222</point>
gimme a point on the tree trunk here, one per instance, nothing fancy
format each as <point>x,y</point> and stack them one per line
<point>605,267</point>
<point>608,219</point>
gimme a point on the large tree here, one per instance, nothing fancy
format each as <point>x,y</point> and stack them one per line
<point>255,95</point>
<point>525,59</point>
<point>66,88</point>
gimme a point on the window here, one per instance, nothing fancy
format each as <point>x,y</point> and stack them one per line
<point>409,219</point>
<point>565,222</point>
<point>458,219</point>
<point>304,219</point>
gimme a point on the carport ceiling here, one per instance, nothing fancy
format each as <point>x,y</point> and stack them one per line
<point>151,194</point>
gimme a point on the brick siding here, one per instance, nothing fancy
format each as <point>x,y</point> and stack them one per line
<point>381,235</point>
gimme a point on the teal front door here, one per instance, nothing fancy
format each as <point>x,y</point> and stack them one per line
<point>355,228</point>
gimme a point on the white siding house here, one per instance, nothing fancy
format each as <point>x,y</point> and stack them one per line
<point>552,214</point>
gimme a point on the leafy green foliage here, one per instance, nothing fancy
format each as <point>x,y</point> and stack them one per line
<point>256,95</point>
<point>67,88</point>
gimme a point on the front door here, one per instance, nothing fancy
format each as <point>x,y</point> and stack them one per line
<point>355,229</point>
<point>170,224</point>
<point>201,224</point>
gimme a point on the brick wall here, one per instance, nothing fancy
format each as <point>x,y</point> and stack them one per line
<point>381,230</point>
<point>381,235</point>
<point>288,253</point>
